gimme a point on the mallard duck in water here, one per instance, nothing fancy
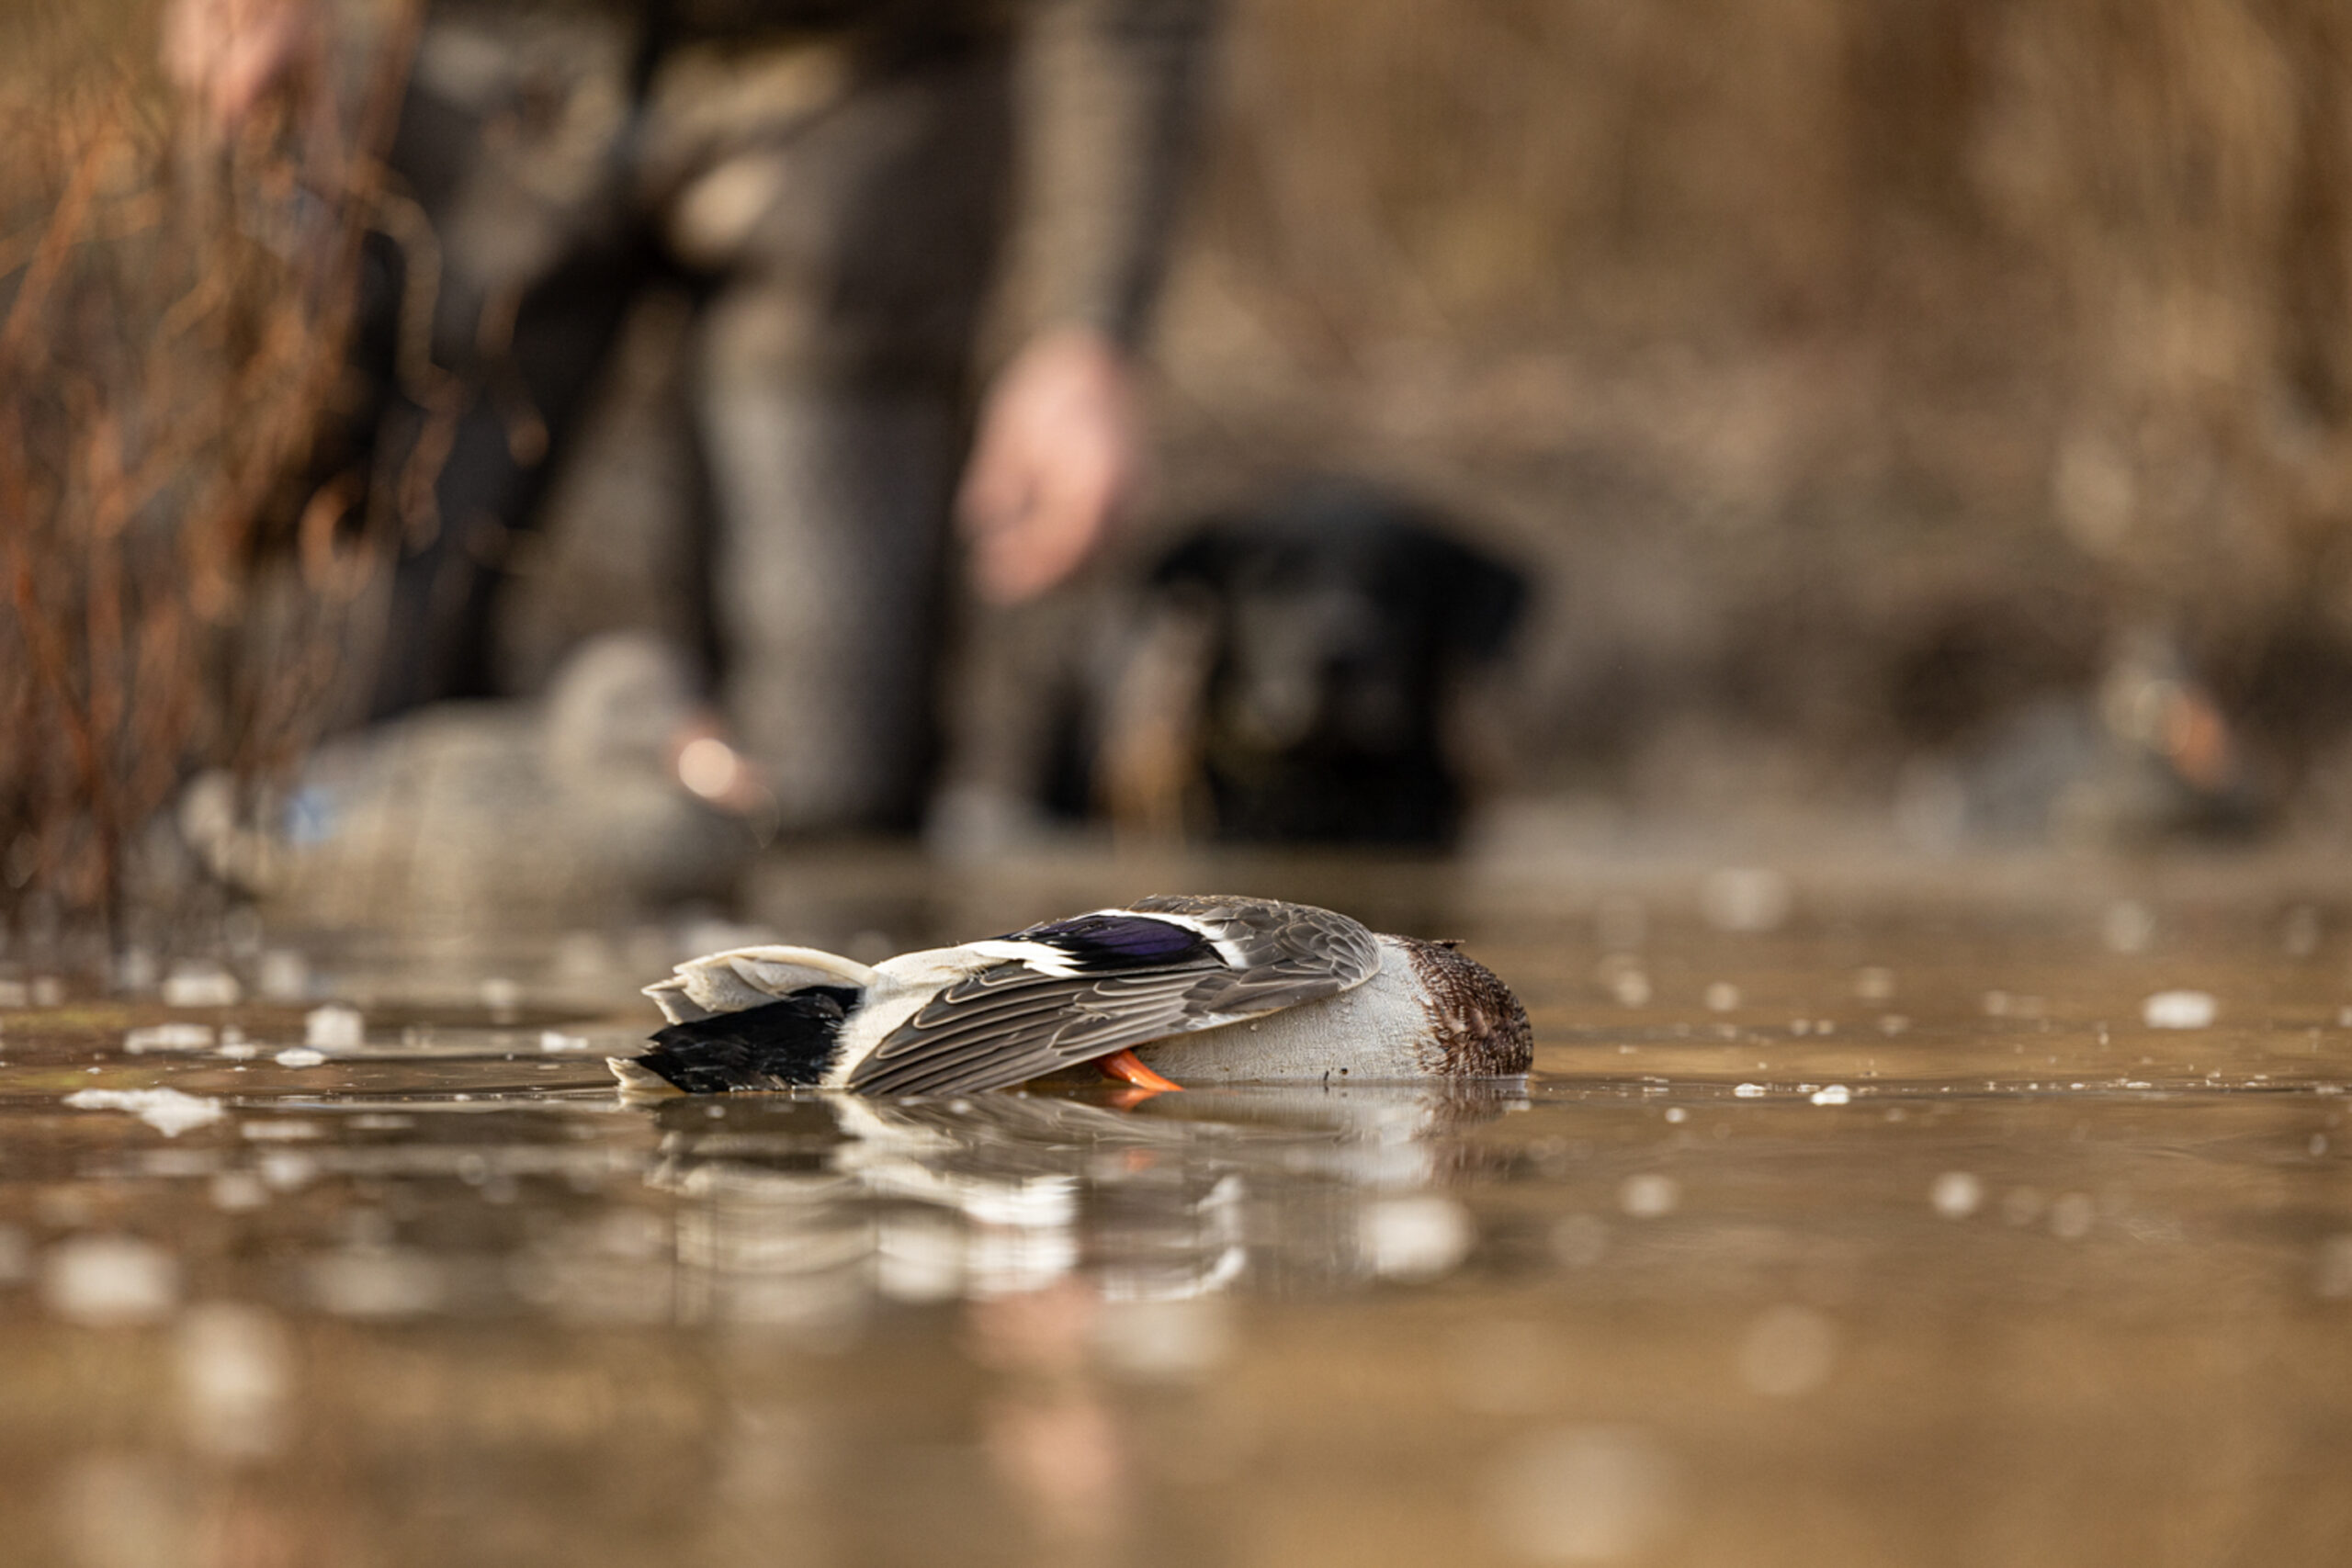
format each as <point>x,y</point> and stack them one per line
<point>1222,988</point>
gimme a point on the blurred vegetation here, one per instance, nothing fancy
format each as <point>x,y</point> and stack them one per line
<point>1858,368</point>
<point>172,318</point>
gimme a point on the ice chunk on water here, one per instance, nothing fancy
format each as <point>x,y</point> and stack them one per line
<point>1834,1094</point>
<point>2179,1010</point>
<point>201,986</point>
<point>110,1280</point>
<point>1956,1194</point>
<point>1748,1090</point>
<point>1647,1195</point>
<point>333,1028</point>
<point>1415,1238</point>
<point>167,1110</point>
<point>168,1037</point>
<point>299,1056</point>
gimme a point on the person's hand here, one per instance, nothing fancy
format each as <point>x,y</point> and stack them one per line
<point>224,54</point>
<point>1058,453</point>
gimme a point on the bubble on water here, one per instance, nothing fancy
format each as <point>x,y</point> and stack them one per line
<point>1874,983</point>
<point>1583,1494</point>
<point>2072,1214</point>
<point>201,986</point>
<point>2127,926</point>
<point>1789,1350</point>
<point>1722,997</point>
<point>283,974</point>
<point>1649,1195</point>
<point>1164,1340</point>
<point>236,1379</point>
<point>1579,1240</point>
<point>110,1280</point>
<point>1834,1094</point>
<point>2179,1010</point>
<point>2333,1277</point>
<point>377,1282</point>
<point>167,1110</point>
<point>1676,1115</point>
<point>168,1037</point>
<point>334,1028</point>
<point>1956,1194</point>
<point>1415,1238</point>
<point>1746,898</point>
<point>502,996</point>
<point>299,1056</point>
<point>1748,1090</point>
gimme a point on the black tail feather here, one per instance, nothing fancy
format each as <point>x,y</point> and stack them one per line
<point>781,1045</point>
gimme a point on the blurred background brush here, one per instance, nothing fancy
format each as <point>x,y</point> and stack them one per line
<point>175,318</point>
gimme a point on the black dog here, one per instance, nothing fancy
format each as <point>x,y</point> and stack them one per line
<point>1292,676</point>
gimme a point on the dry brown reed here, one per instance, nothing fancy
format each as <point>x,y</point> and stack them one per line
<point>172,318</point>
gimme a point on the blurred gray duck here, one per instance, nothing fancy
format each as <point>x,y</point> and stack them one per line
<point>607,794</point>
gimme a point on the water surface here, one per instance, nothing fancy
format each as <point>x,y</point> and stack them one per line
<point>1844,1222</point>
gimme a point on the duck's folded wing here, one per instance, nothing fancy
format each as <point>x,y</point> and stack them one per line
<point>1105,982</point>
<point>746,978</point>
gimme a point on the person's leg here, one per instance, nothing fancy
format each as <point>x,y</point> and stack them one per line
<point>830,395</point>
<point>517,241</point>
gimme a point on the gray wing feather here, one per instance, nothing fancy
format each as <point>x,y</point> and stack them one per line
<point>1010,1023</point>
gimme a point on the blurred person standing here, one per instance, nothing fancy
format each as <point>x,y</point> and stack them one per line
<point>839,178</point>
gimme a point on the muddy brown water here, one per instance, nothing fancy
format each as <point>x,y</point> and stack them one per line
<point>1846,1220</point>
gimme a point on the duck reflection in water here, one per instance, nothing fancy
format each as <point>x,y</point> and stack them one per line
<point>1076,1242</point>
<point>809,1210</point>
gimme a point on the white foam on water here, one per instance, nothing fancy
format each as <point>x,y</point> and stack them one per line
<point>2179,1010</point>
<point>167,1110</point>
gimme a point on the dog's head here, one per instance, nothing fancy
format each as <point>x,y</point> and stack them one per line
<point>1339,613</point>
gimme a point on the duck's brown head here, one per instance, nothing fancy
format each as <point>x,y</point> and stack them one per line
<point>1479,1029</point>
